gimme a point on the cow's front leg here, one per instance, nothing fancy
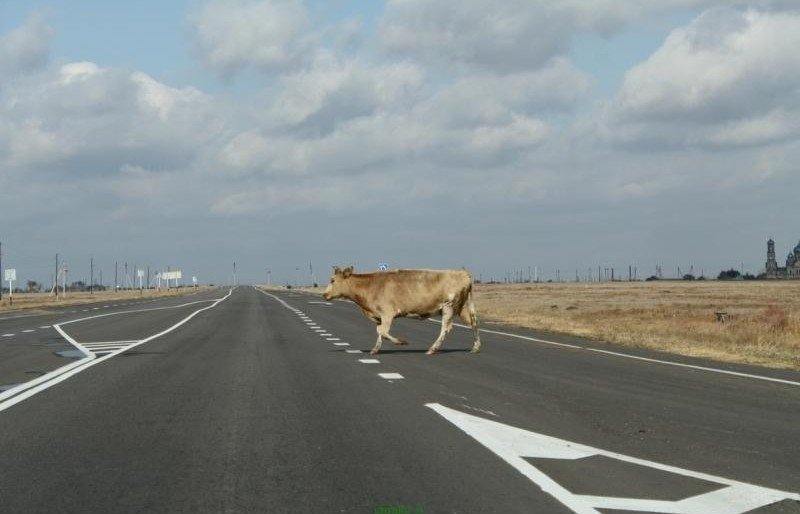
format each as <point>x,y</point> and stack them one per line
<point>383,330</point>
<point>377,347</point>
<point>447,325</point>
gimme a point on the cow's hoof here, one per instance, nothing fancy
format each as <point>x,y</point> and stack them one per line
<point>430,352</point>
<point>401,342</point>
<point>475,350</point>
<point>373,352</point>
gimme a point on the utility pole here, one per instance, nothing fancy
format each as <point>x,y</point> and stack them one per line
<point>115,276</point>
<point>148,276</point>
<point>234,273</point>
<point>1,270</point>
<point>55,278</point>
<point>91,275</point>
<point>296,275</point>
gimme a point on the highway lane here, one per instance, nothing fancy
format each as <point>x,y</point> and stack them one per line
<point>30,346</point>
<point>253,407</point>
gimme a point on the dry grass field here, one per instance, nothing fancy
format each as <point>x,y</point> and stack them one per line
<point>40,300</point>
<point>673,316</point>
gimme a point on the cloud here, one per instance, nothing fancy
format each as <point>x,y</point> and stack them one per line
<point>25,48</point>
<point>335,89</point>
<point>82,119</point>
<point>269,35</point>
<point>506,36</point>
<point>729,78</point>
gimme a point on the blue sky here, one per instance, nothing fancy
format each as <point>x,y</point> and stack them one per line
<point>423,133</point>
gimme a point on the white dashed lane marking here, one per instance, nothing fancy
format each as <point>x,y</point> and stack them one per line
<point>369,361</point>
<point>332,339</point>
<point>341,344</point>
<point>391,376</point>
<point>45,326</point>
<point>353,351</point>
<point>8,335</point>
<point>29,330</point>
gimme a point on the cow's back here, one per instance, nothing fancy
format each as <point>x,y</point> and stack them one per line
<point>420,292</point>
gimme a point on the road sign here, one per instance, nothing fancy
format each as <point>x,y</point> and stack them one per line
<point>140,273</point>
<point>194,280</point>
<point>383,266</point>
<point>11,274</point>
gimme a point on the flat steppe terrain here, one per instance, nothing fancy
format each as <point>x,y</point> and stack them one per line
<point>44,300</point>
<point>763,325</point>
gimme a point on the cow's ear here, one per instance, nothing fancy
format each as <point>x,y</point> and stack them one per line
<point>337,270</point>
<point>347,271</point>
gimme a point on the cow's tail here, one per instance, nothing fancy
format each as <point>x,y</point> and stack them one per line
<point>469,314</point>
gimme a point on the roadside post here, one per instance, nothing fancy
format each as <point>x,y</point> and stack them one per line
<point>11,277</point>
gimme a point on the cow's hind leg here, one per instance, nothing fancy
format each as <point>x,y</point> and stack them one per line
<point>447,325</point>
<point>470,315</point>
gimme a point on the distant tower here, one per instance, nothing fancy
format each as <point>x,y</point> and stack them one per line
<point>772,264</point>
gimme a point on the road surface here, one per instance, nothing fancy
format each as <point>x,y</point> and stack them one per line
<point>249,401</point>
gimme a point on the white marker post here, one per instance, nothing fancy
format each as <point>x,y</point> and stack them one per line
<point>11,276</point>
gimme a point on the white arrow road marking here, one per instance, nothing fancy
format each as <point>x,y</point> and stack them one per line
<point>514,444</point>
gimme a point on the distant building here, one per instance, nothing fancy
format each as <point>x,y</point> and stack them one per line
<point>792,268</point>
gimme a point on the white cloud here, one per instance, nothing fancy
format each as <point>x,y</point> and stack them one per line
<point>26,47</point>
<point>334,89</point>
<point>85,119</point>
<point>266,34</point>
<point>729,78</point>
<point>501,36</point>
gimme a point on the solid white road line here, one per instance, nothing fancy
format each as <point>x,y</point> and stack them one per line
<point>636,357</point>
<point>26,390</point>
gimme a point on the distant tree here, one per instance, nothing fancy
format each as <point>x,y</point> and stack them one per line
<point>688,276</point>
<point>33,286</point>
<point>651,278</point>
<point>730,274</point>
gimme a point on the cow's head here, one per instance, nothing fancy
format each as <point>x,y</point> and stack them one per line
<point>336,287</point>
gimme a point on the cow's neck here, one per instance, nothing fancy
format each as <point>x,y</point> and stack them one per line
<point>354,290</point>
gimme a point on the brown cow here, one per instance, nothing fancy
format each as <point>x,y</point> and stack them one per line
<point>386,295</point>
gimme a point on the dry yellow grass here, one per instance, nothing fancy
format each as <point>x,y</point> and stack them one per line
<point>678,317</point>
<point>41,300</point>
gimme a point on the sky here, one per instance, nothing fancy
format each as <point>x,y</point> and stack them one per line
<point>561,136</point>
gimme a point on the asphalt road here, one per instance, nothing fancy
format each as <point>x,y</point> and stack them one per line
<point>259,403</point>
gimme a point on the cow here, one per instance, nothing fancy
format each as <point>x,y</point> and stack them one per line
<point>386,295</point>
